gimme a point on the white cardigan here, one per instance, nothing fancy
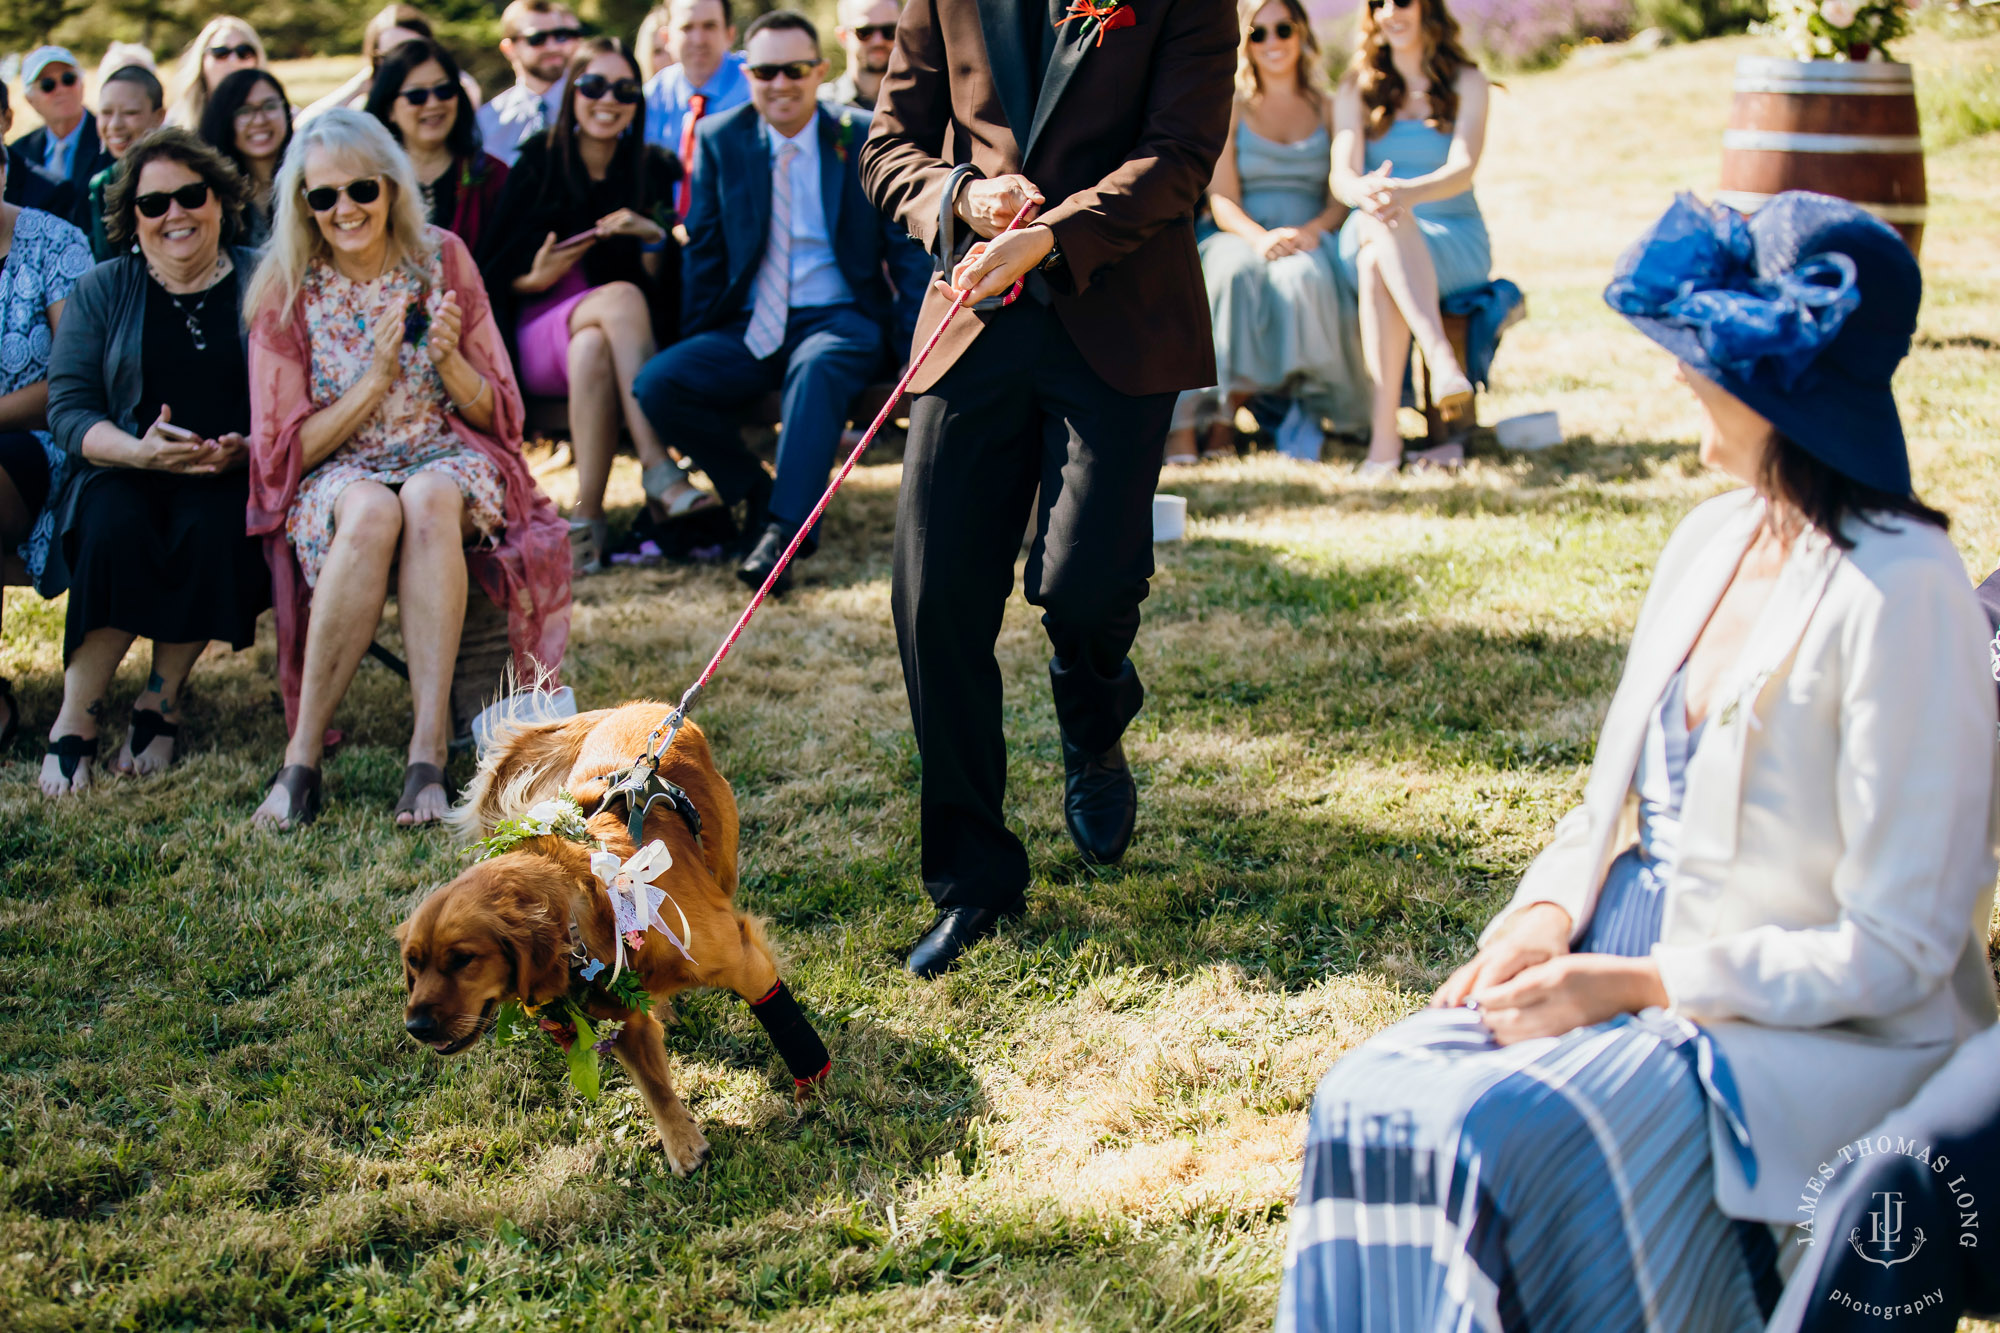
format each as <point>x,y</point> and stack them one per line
<point>1827,921</point>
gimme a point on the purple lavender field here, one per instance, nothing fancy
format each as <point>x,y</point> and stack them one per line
<point>1513,32</point>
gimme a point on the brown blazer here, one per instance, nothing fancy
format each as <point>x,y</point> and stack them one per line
<point>1121,142</point>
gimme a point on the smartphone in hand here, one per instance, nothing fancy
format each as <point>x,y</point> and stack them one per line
<point>578,239</point>
<point>173,432</point>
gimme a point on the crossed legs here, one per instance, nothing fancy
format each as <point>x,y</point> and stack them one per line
<point>421,531</point>
<point>1399,301</point>
<point>610,338</point>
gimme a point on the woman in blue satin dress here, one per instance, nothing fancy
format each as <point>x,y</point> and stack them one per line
<point>1281,309</point>
<point>1409,124</point>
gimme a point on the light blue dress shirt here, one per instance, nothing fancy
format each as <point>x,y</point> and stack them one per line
<point>667,95</point>
<point>515,115</point>
<point>816,279</point>
<point>56,153</point>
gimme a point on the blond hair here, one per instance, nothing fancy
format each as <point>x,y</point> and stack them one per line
<point>642,45</point>
<point>194,88</point>
<point>358,139</point>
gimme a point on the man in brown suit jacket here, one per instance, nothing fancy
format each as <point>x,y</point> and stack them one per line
<point>1106,126</point>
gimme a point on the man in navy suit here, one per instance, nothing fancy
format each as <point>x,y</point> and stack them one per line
<point>27,184</point>
<point>66,145</point>
<point>784,287</point>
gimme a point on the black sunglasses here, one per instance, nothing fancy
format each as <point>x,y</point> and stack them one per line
<point>795,70</point>
<point>50,83</point>
<point>595,86</point>
<point>243,51</point>
<point>155,205</point>
<point>547,35</point>
<point>1259,33</point>
<point>869,32</point>
<point>444,92</point>
<point>364,192</point>
<point>1381,5</point>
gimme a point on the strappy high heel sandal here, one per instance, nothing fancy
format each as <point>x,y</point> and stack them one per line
<point>416,778</point>
<point>302,792</point>
<point>148,725</point>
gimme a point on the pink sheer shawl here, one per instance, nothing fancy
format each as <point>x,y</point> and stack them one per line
<point>527,574</point>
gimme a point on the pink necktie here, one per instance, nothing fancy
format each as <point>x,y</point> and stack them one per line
<point>771,293</point>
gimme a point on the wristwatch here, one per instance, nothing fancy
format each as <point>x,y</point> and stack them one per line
<point>1053,263</point>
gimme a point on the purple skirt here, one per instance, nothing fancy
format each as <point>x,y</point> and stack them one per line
<point>543,336</point>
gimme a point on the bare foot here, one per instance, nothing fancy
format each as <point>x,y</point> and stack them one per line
<point>1180,447</point>
<point>280,811</point>
<point>156,755</point>
<point>432,804</point>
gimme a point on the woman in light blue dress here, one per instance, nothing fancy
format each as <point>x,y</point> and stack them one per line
<point>1281,310</point>
<point>1409,125</point>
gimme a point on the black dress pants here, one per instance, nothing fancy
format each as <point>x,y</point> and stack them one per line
<point>1020,409</point>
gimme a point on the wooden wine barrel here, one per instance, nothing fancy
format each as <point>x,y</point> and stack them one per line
<point>1843,128</point>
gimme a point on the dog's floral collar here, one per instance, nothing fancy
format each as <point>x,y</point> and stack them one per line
<point>560,816</point>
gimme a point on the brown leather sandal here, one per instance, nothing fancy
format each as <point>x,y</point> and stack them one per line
<point>302,789</point>
<point>416,777</point>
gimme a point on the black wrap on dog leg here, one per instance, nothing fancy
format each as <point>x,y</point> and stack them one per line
<point>792,1033</point>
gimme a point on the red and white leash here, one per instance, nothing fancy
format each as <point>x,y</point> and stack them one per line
<point>670,725</point>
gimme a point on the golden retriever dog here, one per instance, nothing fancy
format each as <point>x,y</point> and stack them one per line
<point>503,930</point>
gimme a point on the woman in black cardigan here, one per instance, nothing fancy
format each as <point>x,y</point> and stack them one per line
<point>585,316</point>
<point>149,395</point>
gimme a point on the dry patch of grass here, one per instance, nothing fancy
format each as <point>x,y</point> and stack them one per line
<point>1366,709</point>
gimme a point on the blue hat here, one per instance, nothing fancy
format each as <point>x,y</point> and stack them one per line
<point>41,58</point>
<point>1802,310</point>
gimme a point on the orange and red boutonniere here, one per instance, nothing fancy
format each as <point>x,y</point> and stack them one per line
<point>1104,17</point>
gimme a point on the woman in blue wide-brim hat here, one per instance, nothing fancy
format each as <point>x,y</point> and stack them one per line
<point>1765,926</point>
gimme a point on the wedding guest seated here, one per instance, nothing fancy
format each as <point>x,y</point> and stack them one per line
<point>66,143</point>
<point>417,96</point>
<point>149,396</point>
<point>586,262</point>
<point>121,55</point>
<point>392,25</point>
<point>1409,125</point>
<point>652,44</point>
<point>1279,305</point>
<point>867,33</point>
<point>386,436</point>
<point>784,290</point>
<point>224,45</point>
<point>29,185</point>
<point>537,37</point>
<point>130,105</point>
<point>250,120</point>
<point>1766,924</point>
<point>41,257</point>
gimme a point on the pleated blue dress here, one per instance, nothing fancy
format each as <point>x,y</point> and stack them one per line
<point>1453,229</point>
<point>1288,325</point>
<point>1563,1184</point>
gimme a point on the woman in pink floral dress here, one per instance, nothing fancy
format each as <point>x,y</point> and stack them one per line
<point>386,437</point>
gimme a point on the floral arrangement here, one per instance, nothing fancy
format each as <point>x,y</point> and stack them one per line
<point>635,908</point>
<point>1838,29</point>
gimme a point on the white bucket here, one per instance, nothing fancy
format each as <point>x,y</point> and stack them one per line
<point>1536,430</point>
<point>1169,518</point>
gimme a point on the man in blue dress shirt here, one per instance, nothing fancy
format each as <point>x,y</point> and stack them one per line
<point>784,289</point>
<point>706,79</point>
<point>540,36</point>
<point>66,146</point>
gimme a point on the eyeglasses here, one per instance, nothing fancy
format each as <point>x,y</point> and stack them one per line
<point>795,70</point>
<point>1283,31</point>
<point>271,108</point>
<point>155,205</point>
<point>873,32</point>
<point>53,81</point>
<point>364,192</point>
<point>538,40</point>
<point>595,86</point>
<point>241,51</point>
<point>444,92</point>
<point>1382,6</point>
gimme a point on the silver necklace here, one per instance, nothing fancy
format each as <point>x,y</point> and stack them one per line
<point>192,316</point>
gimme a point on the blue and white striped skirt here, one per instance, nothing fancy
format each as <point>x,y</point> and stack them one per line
<point>1561,1184</point>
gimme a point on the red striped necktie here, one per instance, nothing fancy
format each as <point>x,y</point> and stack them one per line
<point>697,106</point>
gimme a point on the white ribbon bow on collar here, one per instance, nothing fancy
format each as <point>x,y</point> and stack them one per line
<point>635,903</point>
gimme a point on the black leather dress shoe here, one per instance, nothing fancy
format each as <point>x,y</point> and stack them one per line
<point>757,566</point>
<point>955,930</point>
<point>1100,801</point>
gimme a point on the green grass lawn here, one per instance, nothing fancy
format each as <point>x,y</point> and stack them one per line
<point>1366,709</point>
